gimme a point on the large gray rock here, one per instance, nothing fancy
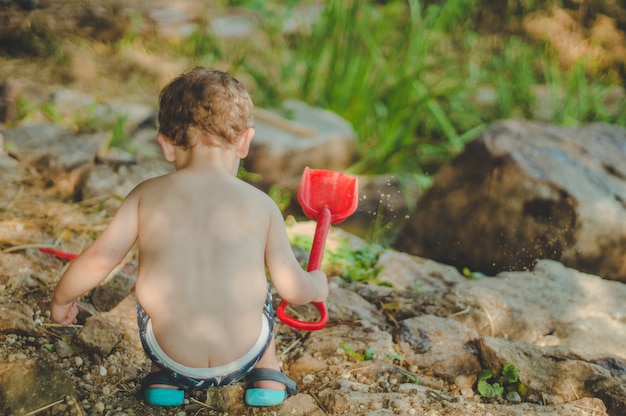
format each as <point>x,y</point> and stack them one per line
<point>287,141</point>
<point>554,376</point>
<point>523,306</point>
<point>526,191</point>
<point>441,346</point>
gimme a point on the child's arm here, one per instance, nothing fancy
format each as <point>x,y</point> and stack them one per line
<point>95,263</point>
<point>294,285</point>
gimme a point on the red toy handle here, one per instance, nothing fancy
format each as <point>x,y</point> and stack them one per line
<point>304,325</point>
<point>60,254</point>
<point>315,261</point>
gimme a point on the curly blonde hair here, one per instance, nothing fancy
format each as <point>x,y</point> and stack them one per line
<point>202,105</point>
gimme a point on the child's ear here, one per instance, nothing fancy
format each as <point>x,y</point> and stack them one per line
<point>243,145</point>
<point>168,147</point>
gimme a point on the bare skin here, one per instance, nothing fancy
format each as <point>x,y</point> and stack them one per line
<point>204,240</point>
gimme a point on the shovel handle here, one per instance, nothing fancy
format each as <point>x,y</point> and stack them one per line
<point>60,254</point>
<point>303,325</point>
<point>315,261</point>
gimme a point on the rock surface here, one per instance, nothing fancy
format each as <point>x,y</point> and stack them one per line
<point>415,338</point>
<point>294,137</point>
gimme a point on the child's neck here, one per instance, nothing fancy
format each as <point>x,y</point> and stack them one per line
<point>210,159</point>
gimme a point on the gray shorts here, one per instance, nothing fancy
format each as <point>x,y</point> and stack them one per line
<point>199,378</point>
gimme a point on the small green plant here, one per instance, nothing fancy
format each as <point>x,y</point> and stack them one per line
<point>355,265</point>
<point>280,195</point>
<point>349,263</point>
<point>411,378</point>
<point>23,109</point>
<point>51,113</point>
<point>85,120</point>
<point>350,352</point>
<point>491,387</point>
<point>393,356</point>
<point>487,387</point>
<point>200,44</point>
<point>119,137</point>
<point>367,355</point>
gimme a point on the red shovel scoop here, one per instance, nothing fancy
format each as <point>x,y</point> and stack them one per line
<point>328,197</point>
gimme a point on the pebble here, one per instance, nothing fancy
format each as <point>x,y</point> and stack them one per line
<point>467,393</point>
<point>513,397</point>
<point>63,349</point>
<point>103,371</point>
<point>99,406</point>
<point>16,357</point>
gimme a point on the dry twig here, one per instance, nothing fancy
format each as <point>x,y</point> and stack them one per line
<point>289,348</point>
<point>62,326</point>
<point>41,409</point>
<point>207,406</point>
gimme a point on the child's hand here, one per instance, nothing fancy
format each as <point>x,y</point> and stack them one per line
<point>322,285</point>
<point>64,314</point>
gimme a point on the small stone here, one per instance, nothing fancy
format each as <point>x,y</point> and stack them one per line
<point>17,357</point>
<point>307,364</point>
<point>513,397</point>
<point>467,393</point>
<point>63,349</point>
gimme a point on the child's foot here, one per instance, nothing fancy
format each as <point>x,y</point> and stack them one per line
<point>262,396</point>
<point>160,390</point>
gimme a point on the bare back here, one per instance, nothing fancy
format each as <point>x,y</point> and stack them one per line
<point>202,269</point>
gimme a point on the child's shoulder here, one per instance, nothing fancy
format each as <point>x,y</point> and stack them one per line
<point>155,185</point>
<point>153,182</point>
<point>253,191</point>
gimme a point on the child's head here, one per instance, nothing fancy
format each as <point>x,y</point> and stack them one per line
<point>204,106</point>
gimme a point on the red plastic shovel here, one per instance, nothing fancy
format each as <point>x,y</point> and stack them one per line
<point>328,197</point>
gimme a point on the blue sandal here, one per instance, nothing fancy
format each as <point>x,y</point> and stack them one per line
<point>267,397</point>
<point>161,396</point>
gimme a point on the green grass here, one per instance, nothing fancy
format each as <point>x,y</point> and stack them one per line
<point>406,74</point>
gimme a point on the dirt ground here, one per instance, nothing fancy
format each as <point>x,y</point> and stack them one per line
<point>80,33</point>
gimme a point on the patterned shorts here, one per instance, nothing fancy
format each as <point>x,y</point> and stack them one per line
<point>200,378</point>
